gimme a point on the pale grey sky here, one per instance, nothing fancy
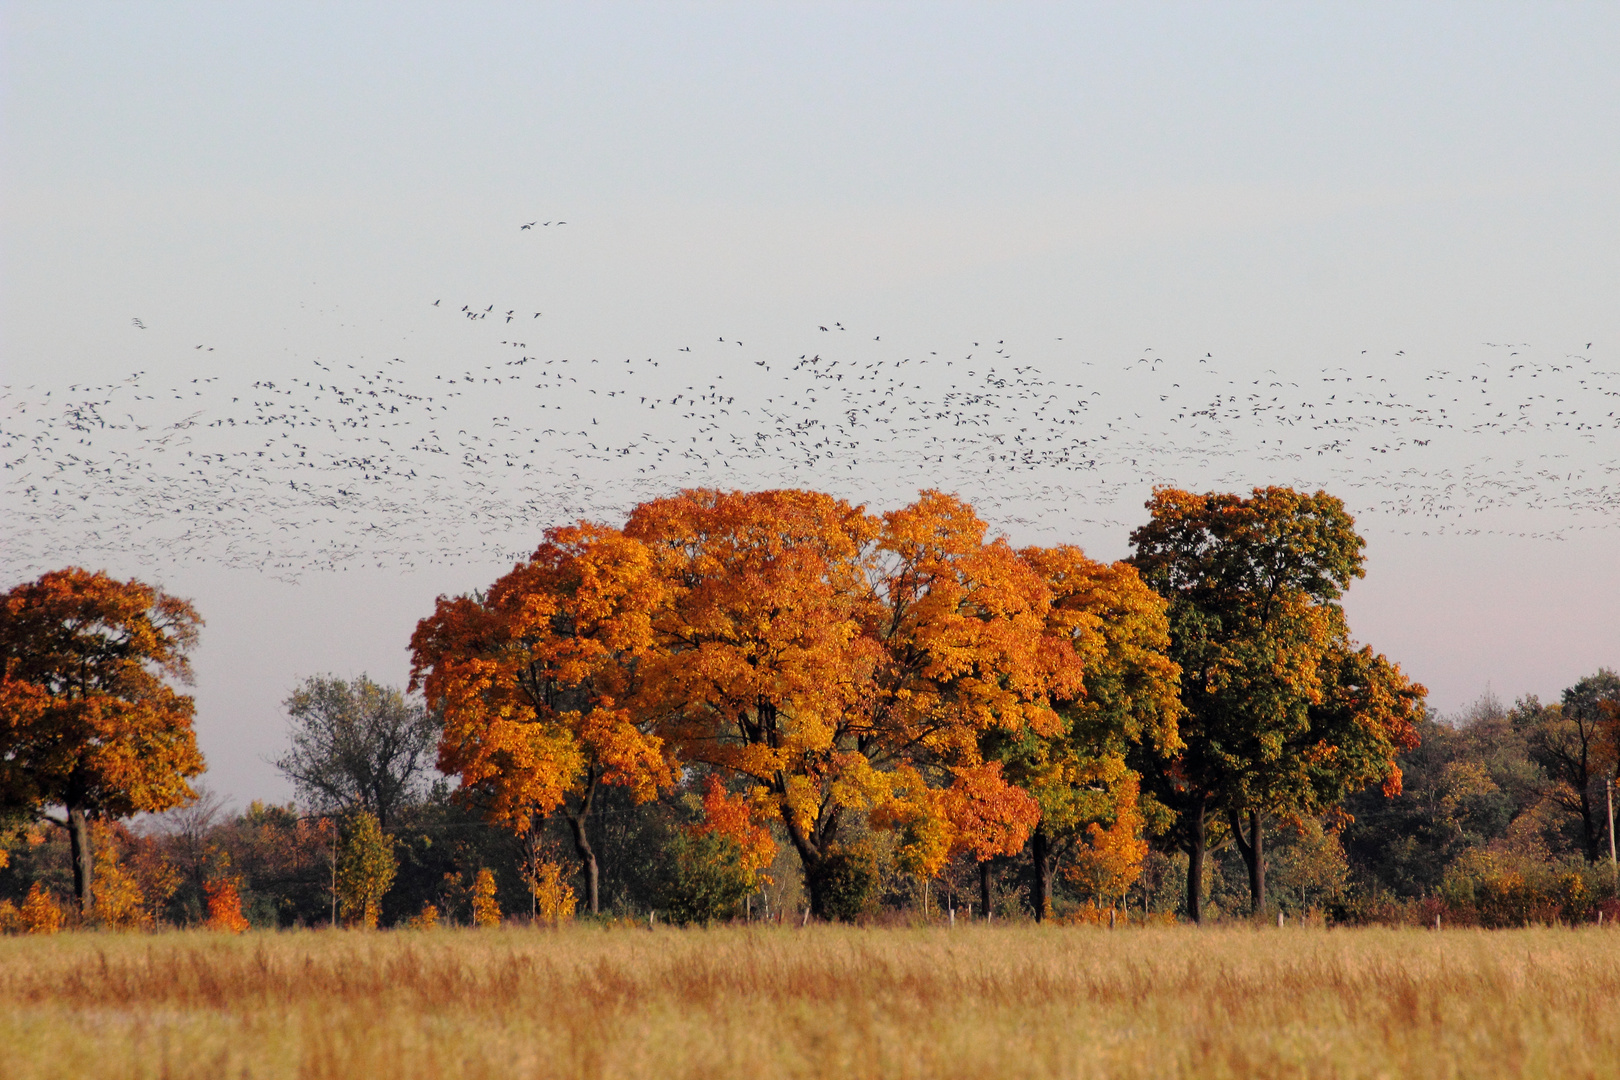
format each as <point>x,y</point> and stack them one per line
<point>1279,187</point>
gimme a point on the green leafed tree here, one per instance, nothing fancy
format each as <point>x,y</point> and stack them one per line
<point>357,746</point>
<point>365,870</point>
<point>1574,741</point>
<point>1284,714</point>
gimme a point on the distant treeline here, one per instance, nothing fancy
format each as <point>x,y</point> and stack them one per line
<point>779,705</point>
<point>1487,830</point>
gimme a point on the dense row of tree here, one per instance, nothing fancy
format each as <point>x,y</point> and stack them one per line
<point>843,674</point>
<point>753,702</point>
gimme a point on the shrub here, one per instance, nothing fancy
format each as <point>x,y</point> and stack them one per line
<point>707,878</point>
<point>365,870</point>
<point>847,881</point>
<point>554,898</point>
<point>120,901</point>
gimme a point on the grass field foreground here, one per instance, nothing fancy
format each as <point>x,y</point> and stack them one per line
<point>1002,1002</point>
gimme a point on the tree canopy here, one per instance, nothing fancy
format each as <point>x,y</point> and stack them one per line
<point>88,719</point>
<point>835,664</point>
<point>357,745</point>
<point>1283,713</point>
<point>537,682</point>
<point>845,665</point>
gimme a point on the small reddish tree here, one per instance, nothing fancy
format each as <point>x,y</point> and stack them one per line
<point>88,720</point>
<point>225,907</point>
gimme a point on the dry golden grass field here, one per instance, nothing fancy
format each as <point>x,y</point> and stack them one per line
<point>1001,1002</point>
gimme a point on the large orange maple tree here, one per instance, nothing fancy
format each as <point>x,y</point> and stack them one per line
<point>843,666</point>
<point>836,666</point>
<point>536,682</point>
<point>88,719</point>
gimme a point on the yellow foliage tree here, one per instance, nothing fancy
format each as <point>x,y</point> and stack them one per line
<point>365,869</point>
<point>40,913</point>
<point>554,899</point>
<point>133,876</point>
<point>119,901</point>
<point>426,919</point>
<point>1109,860</point>
<point>486,909</point>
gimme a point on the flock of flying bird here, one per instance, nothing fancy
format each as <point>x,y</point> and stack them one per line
<point>415,462</point>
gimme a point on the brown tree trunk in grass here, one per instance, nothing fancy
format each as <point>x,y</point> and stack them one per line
<point>1257,862</point>
<point>984,887</point>
<point>1197,841</point>
<point>582,846</point>
<point>814,848</point>
<point>1040,895</point>
<point>1253,850</point>
<point>83,859</point>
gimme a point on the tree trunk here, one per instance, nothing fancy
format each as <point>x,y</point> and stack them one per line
<point>83,859</point>
<point>815,883</point>
<point>582,846</point>
<point>1253,851</point>
<point>587,861</point>
<point>984,887</point>
<point>1591,832</point>
<point>812,848</point>
<point>1257,863</point>
<point>1197,842</point>
<point>1040,894</point>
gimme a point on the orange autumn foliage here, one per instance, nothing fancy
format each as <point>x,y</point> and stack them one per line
<point>40,913</point>
<point>87,715</point>
<point>535,682</point>
<point>532,677</point>
<point>846,664</point>
<point>88,719</point>
<point>731,817</point>
<point>989,816</point>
